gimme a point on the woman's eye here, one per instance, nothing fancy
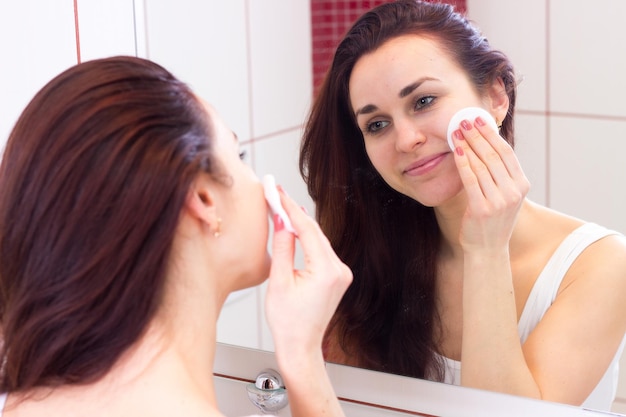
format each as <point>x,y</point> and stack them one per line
<point>422,102</point>
<point>376,126</point>
<point>242,155</point>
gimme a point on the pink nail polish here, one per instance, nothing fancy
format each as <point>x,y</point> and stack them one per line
<point>458,135</point>
<point>466,125</point>
<point>480,121</point>
<point>459,151</point>
<point>278,223</point>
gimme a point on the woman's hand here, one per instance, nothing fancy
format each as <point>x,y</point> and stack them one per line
<point>299,306</point>
<point>491,352</point>
<point>300,303</point>
<point>495,184</point>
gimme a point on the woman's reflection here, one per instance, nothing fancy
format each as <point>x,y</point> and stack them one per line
<point>452,264</point>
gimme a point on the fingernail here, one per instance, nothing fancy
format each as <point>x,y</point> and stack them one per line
<point>282,190</point>
<point>278,223</point>
<point>459,151</point>
<point>466,125</point>
<point>480,121</point>
<point>458,135</point>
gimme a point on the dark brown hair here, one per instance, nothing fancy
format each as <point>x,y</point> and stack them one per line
<point>387,319</point>
<point>93,179</point>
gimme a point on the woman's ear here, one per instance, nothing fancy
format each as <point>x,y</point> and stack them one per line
<point>498,100</point>
<point>201,204</point>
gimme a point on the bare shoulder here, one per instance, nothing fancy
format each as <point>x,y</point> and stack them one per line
<point>597,279</point>
<point>604,261</point>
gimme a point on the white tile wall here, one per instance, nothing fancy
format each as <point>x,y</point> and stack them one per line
<point>205,44</point>
<point>280,63</point>
<point>587,169</point>
<point>106,28</point>
<point>571,117</point>
<point>588,57</point>
<point>37,41</point>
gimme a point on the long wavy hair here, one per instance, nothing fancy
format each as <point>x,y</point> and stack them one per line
<point>93,179</point>
<point>387,319</point>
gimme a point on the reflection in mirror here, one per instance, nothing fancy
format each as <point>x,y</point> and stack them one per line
<point>452,263</point>
<point>554,119</point>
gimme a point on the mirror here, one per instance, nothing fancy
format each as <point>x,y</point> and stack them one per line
<point>252,59</point>
<point>261,52</point>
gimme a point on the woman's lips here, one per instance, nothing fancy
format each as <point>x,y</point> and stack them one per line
<point>425,165</point>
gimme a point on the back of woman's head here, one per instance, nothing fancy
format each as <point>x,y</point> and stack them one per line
<point>93,179</point>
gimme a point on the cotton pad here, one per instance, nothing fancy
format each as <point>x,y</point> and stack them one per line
<point>273,199</point>
<point>469,113</point>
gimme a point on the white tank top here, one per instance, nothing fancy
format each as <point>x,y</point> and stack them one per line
<point>542,296</point>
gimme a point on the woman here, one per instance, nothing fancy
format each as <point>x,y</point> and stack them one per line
<point>452,264</point>
<point>127,218</point>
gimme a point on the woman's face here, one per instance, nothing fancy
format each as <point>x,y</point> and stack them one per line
<point>403,95</point>
<point>243,210</point>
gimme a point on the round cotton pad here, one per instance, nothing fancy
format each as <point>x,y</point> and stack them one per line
<point>469,113</point>
<point>273,199</point>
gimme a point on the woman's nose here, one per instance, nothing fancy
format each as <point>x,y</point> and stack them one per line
<point>409,136</point>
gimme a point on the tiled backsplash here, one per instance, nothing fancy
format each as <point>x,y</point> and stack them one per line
<point>330,19</point>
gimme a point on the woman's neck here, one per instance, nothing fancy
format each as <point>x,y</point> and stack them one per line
<point>449,217</point>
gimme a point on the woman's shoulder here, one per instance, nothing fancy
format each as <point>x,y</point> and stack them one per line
<point>544,226</point>
<point>600,251</point>
<point>541,218</point>
<point>605,256</point>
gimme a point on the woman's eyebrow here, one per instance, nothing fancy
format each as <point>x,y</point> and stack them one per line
<point>370,108</point>
<point>411,87</point>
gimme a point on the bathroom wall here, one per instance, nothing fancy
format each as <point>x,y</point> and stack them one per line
<point>571,117</point>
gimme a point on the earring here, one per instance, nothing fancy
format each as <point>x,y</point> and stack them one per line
<point>218,229</point>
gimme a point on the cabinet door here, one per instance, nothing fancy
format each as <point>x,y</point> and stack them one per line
<point>366,393</point>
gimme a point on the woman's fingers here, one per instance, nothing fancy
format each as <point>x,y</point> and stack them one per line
<point>491,160</point>
<point>318,252</point>
<point>301,302</point>
<point>283,250</point>
<point>494,182</point>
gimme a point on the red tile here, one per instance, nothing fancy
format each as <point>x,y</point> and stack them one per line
<point>331,19</point>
